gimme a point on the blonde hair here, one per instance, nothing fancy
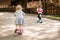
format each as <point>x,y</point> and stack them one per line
<point>19,7</point>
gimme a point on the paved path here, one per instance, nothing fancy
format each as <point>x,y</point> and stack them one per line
<point>48,30</point>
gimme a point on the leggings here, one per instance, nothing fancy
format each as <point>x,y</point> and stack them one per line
<point>39,16</point>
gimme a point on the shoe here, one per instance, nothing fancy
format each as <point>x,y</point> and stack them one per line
<point>16,30</point>
<point>20,31</point>
<point>40,21</point>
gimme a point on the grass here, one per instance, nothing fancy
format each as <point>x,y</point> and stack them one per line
<point>53,17</point>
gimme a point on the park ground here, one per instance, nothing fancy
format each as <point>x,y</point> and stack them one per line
<point>48,30</point>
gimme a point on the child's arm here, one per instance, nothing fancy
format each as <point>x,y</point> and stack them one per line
<point>23,13</point>
<point>37,9</point>
<point>42,10</point>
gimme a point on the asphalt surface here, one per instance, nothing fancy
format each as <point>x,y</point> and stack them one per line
<point>48,30</point>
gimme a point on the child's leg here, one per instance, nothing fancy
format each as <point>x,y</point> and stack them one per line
<point>16,29</point>
<point>40,17</point>
<point>20,26</point>
<point>20,29</point>
<point>17,26</point>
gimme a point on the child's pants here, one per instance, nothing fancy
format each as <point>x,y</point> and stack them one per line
<point>39,16</point>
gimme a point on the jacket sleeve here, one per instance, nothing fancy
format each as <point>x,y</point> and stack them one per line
<point>23,13</point>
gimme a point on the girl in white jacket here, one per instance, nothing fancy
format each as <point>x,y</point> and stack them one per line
<point>19,18</point>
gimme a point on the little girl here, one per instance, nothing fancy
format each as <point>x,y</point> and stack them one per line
<point>39,11</point>
<point>19,18</point>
